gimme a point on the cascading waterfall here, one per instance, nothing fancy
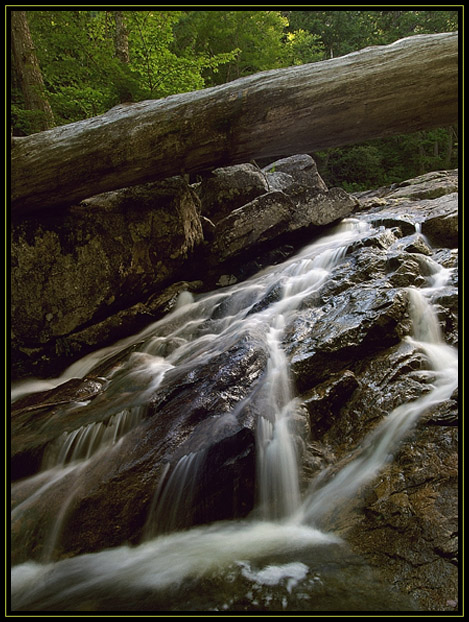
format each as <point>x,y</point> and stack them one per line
<point>283,521</point>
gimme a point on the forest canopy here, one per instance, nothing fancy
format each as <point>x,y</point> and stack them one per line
<point>87,61</point>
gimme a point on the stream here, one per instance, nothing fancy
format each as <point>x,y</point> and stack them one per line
<point>281,556</point>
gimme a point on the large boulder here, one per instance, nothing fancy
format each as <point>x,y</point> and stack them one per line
<point>74,269</point>
<point>228,188</point>
<point>298,202</point>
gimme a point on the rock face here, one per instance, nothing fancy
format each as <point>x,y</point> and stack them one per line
<point>74,270</point>
<point>201,386</point>
<point>228,188</point>
<point>296,204</point>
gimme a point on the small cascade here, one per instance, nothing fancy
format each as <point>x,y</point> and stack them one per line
<point>172,507</point>
<point>82,443</point>
<point>278,480</point>
<point>58,524</point>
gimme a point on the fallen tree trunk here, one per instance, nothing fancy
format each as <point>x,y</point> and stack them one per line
<point>403,87</point>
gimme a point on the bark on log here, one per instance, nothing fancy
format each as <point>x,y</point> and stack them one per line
<point>407,86</point>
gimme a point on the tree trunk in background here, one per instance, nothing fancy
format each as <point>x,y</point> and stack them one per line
<point>452,138</point>
<point>407,86</point>
<point>28,71</point>
<point>121,40</point>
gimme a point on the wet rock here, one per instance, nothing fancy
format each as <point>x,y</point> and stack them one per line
<point>444,414</point>
<point>297,201</point>
<point>297,177</point>
<point>352,325</point>
<point>406,272</point>
<point>446,303</point>
<point>416,244</point>
<point>40,418</point>
<point>325,401</point>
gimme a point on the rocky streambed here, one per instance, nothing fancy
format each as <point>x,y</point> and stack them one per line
<point>248,394</point>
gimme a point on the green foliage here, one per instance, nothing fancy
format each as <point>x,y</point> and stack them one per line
<point>160,69</point>
<point>26,121</point>
<point>302,47</point>
<point>391,160</point>
<point>82,74</point>
<point>342,32</point>
<point>256,41</point>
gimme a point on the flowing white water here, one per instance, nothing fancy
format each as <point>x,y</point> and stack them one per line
<point>376,449</point>
<point>163,562</point>
<point>194,332</point>
<point>278,479</point>
<point>173,502</point>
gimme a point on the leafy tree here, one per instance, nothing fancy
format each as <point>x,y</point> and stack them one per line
<point>258,40</point>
